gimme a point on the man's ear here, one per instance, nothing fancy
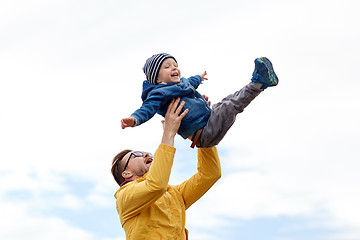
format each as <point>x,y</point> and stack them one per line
<point>126,174</point>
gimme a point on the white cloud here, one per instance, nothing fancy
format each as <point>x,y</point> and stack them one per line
<point>71,201</point>
<point>19,225</point>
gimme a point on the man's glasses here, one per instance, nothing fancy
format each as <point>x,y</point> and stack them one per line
<point>137,154</point>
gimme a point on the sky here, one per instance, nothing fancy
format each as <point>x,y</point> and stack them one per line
<point>70,70</point>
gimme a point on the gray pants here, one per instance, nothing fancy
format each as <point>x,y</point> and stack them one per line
<point>224,113</point>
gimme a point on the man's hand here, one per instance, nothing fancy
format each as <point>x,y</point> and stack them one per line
<point>203,77</point>
<point>206,99</point>
<point>127,122</point>
<point>172,121</point>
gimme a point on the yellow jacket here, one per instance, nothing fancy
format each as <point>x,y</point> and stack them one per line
<point>149,208</point>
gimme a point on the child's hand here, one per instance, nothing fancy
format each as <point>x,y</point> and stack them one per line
<point>127,122</point>
<point>203,77</point>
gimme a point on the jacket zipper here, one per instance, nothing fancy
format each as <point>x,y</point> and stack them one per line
<point>201,100</point>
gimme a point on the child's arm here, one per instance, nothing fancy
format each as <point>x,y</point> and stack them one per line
<point>147,110</point>
<point>195,81</point>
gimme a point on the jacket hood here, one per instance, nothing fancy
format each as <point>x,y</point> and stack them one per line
<point>147,87</point>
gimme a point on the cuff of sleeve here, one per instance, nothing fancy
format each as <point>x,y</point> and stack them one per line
<point>205,150</point>
<point>167,148</point>
<point>136,121</point>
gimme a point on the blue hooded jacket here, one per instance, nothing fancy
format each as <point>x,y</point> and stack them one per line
<point>156,99</point>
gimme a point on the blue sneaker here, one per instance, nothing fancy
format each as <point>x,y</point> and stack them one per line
<point>264,73</point>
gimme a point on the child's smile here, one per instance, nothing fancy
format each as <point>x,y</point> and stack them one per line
<point>169,72</point>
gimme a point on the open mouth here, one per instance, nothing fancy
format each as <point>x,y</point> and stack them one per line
<point>175,74</point>
<point>148,161</point>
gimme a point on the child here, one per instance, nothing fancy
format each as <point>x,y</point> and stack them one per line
<point>203,125</point>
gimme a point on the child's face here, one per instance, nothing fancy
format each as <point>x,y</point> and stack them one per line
<point>169,72</point>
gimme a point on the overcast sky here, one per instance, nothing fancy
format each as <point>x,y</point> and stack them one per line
<point>70,70</point>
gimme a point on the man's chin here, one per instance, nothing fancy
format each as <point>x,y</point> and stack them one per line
<point>148,167</point>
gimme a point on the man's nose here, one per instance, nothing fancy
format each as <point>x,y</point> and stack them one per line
<point>146,155</point>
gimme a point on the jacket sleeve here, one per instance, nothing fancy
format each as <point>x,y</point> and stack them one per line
<point>149,107</point>
<point>134,197</point>
<point>195,81</point>
<point>209,171</point>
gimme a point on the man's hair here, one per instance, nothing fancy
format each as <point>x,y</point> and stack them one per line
<point>117,166</point>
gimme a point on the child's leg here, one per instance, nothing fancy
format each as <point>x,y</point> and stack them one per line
<point>224,113</point>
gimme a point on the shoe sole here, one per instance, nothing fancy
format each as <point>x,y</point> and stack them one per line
<point>272,76</point>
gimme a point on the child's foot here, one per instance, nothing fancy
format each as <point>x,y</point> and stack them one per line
<point>264,73</point>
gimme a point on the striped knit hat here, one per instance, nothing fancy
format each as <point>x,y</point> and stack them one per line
<point>152,66</point>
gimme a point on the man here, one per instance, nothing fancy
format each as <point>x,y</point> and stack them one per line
<point>148,207</point>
